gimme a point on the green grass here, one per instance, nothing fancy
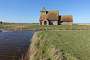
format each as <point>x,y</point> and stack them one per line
<point>60,27</point>
<point>74,45</point>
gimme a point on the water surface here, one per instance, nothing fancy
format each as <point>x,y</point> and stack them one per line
<point>14,44</point>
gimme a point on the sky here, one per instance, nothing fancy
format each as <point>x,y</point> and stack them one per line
<point>28,11</point>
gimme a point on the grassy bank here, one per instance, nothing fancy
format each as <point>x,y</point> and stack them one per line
<point>61,45</point>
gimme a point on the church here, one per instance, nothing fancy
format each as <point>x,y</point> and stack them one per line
<point>52,17</point>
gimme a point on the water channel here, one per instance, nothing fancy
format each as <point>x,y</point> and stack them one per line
<point>14,44</point>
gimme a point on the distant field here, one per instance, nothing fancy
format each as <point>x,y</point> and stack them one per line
<point>75,45</point>
<point>68,27</point>
<point>36,26</point>
<point>20,26</point>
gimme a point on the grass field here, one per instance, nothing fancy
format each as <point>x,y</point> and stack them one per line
<point>67,27</point>
<point>71,45</point>
<point>20,26</point>
<point>36,26</point>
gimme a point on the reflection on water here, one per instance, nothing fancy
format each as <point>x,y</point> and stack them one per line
<point>14,44</point>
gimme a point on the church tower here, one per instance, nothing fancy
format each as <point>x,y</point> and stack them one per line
<point>43,16</point>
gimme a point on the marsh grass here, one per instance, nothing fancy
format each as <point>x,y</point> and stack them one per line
<point>19,26</point>
<point>63,45</point>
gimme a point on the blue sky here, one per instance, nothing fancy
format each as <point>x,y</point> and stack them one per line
<point>28,11</point>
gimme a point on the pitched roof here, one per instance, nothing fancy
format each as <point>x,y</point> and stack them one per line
<point>53,15</point>
<point>67,18</point>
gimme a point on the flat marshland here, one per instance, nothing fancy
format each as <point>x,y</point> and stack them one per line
<point>19,26</point>
<point>57,42</point>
